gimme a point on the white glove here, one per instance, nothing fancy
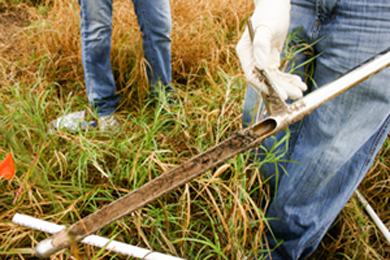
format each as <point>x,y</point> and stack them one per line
<point>271,21</point>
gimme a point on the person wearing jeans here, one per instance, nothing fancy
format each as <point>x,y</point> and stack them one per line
<point>335,145</point>
<point>154,18</point>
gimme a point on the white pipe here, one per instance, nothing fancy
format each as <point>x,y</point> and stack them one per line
<point>94,240</point>
<point>374,216</point>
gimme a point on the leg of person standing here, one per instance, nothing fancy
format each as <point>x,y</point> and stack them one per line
<point>96,17</point>
<point>335,145</point>
<point>154,18</point>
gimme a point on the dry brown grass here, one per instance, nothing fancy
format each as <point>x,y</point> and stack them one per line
<point>204,32</point>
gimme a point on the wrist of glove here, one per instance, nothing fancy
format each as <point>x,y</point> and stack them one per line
<point>270,21</point>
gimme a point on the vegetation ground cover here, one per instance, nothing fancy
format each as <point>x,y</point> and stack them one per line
<point>65,176</point>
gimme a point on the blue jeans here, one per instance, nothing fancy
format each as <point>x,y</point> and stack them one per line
<point>335,145</point>
<point>154,18</point>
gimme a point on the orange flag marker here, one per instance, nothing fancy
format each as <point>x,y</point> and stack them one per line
<point>7,168</point>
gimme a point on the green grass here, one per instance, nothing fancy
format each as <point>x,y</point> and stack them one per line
<point>67,176</point>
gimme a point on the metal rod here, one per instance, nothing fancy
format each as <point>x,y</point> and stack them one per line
<point>378,222</point>
<point>336,87</point>
<point>114,246</point>
<point>304,106</point>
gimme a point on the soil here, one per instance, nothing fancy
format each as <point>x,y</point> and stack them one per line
<point>12,21</point>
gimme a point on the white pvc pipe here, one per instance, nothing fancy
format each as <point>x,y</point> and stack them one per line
<point>114,246</point>
<point>374,216</point>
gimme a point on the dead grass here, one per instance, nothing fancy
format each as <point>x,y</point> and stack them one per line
<point>203,33</point>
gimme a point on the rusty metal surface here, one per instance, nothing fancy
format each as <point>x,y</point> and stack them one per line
<point>239,142</point>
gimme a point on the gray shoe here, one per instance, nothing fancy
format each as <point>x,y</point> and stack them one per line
<point>109,123</point>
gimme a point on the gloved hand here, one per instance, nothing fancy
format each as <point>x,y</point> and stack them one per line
<point>271,21</point>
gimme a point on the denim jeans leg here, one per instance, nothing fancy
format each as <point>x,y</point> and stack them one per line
<point>154,18</point>
<point>96,18</point>
<point>337,143</point>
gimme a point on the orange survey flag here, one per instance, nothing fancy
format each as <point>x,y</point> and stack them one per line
<point>7,168</point>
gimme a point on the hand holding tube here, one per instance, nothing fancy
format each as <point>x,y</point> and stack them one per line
<point>271,21</point>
